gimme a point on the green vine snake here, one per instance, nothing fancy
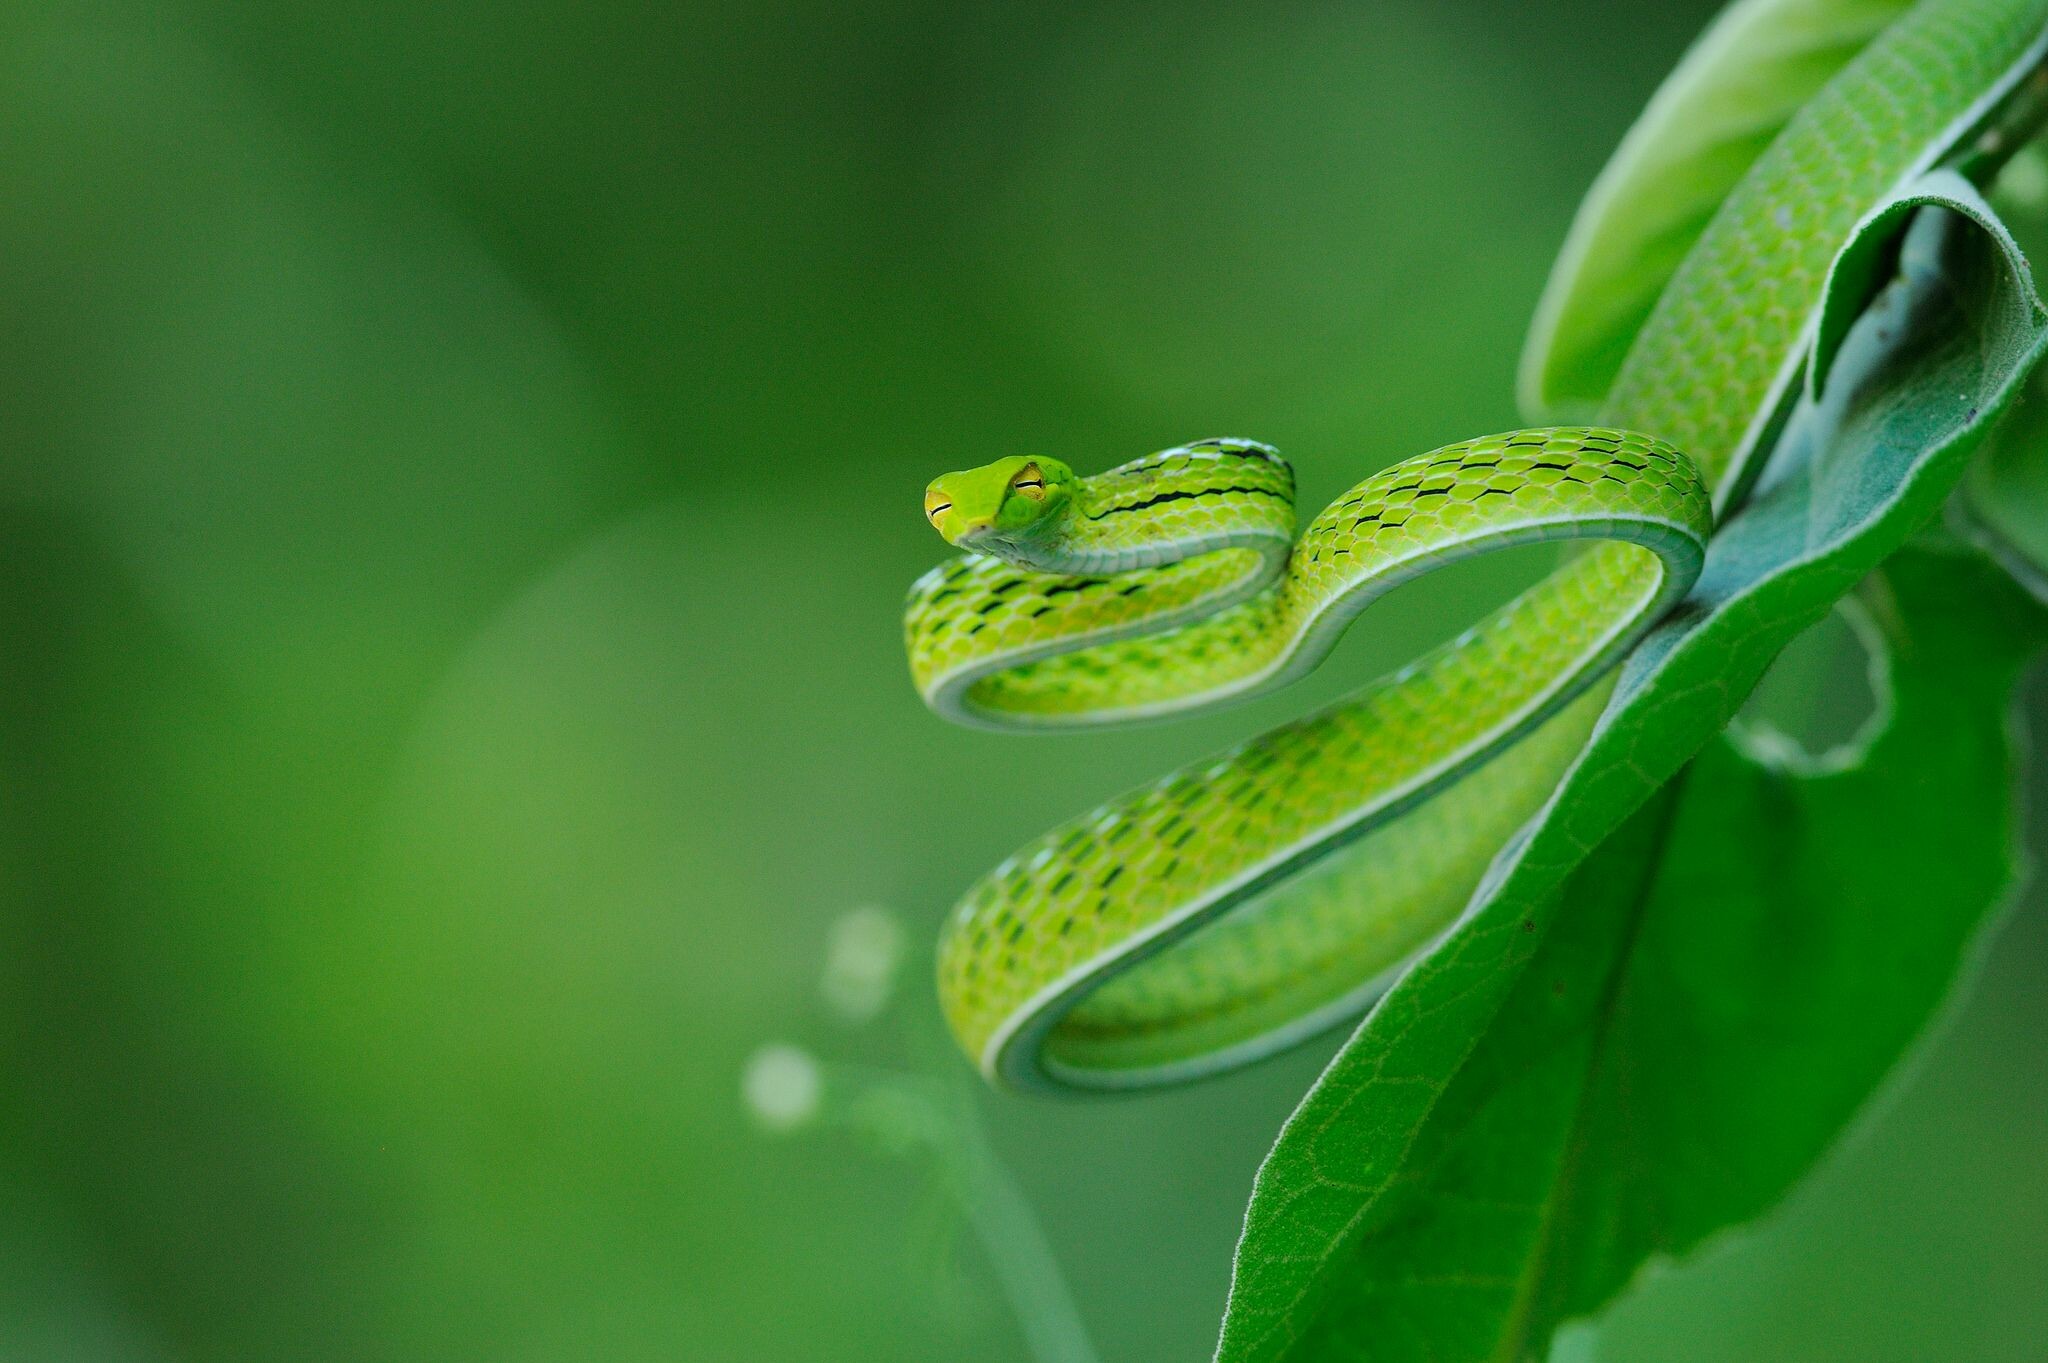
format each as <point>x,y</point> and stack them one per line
<point>1257,896</point>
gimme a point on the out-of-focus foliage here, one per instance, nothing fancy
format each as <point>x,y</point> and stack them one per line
<point>458,473</point>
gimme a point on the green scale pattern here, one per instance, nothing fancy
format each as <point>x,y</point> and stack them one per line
<point>1729,327</point>
<point>1120,880</point>
<point>1250,898</point>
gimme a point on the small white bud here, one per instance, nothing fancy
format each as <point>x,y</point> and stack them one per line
<point>861,957</point>
<point>781,1087</point>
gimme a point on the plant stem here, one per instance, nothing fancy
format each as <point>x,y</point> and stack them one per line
<point>1019,1252</point>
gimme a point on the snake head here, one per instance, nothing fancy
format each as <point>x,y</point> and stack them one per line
<point>999,507</point>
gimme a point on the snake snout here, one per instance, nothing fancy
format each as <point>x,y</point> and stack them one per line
<point>968,529</point>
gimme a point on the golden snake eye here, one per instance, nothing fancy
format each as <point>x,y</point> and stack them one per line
<point>1030,481</point>
<point>936,501</point>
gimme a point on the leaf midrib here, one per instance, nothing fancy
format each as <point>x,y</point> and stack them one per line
<point>1514,1337</point>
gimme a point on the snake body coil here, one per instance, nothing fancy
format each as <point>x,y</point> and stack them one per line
<point>1251,898</point>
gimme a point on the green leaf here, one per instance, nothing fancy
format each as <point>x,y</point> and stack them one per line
<point>1740,83</point>
<point>2004,506</point>
<point>1731,982</point>
<point>2004,503</point>
<point>1440,1193</point>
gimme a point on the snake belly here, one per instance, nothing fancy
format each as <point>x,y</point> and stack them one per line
<point>1259,895</point>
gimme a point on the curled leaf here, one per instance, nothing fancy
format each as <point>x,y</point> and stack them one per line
<point>1468,1173</point>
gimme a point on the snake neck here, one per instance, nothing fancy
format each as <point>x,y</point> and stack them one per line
<point>1162,509</point>
<point>1176,505</point>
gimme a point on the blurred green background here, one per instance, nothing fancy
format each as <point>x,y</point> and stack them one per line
<point>459,469</point>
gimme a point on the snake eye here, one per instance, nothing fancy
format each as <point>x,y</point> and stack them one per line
<point>1030,481</point>
<point>936,501</point>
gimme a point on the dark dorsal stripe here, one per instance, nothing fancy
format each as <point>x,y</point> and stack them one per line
<point>1185,496</point>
